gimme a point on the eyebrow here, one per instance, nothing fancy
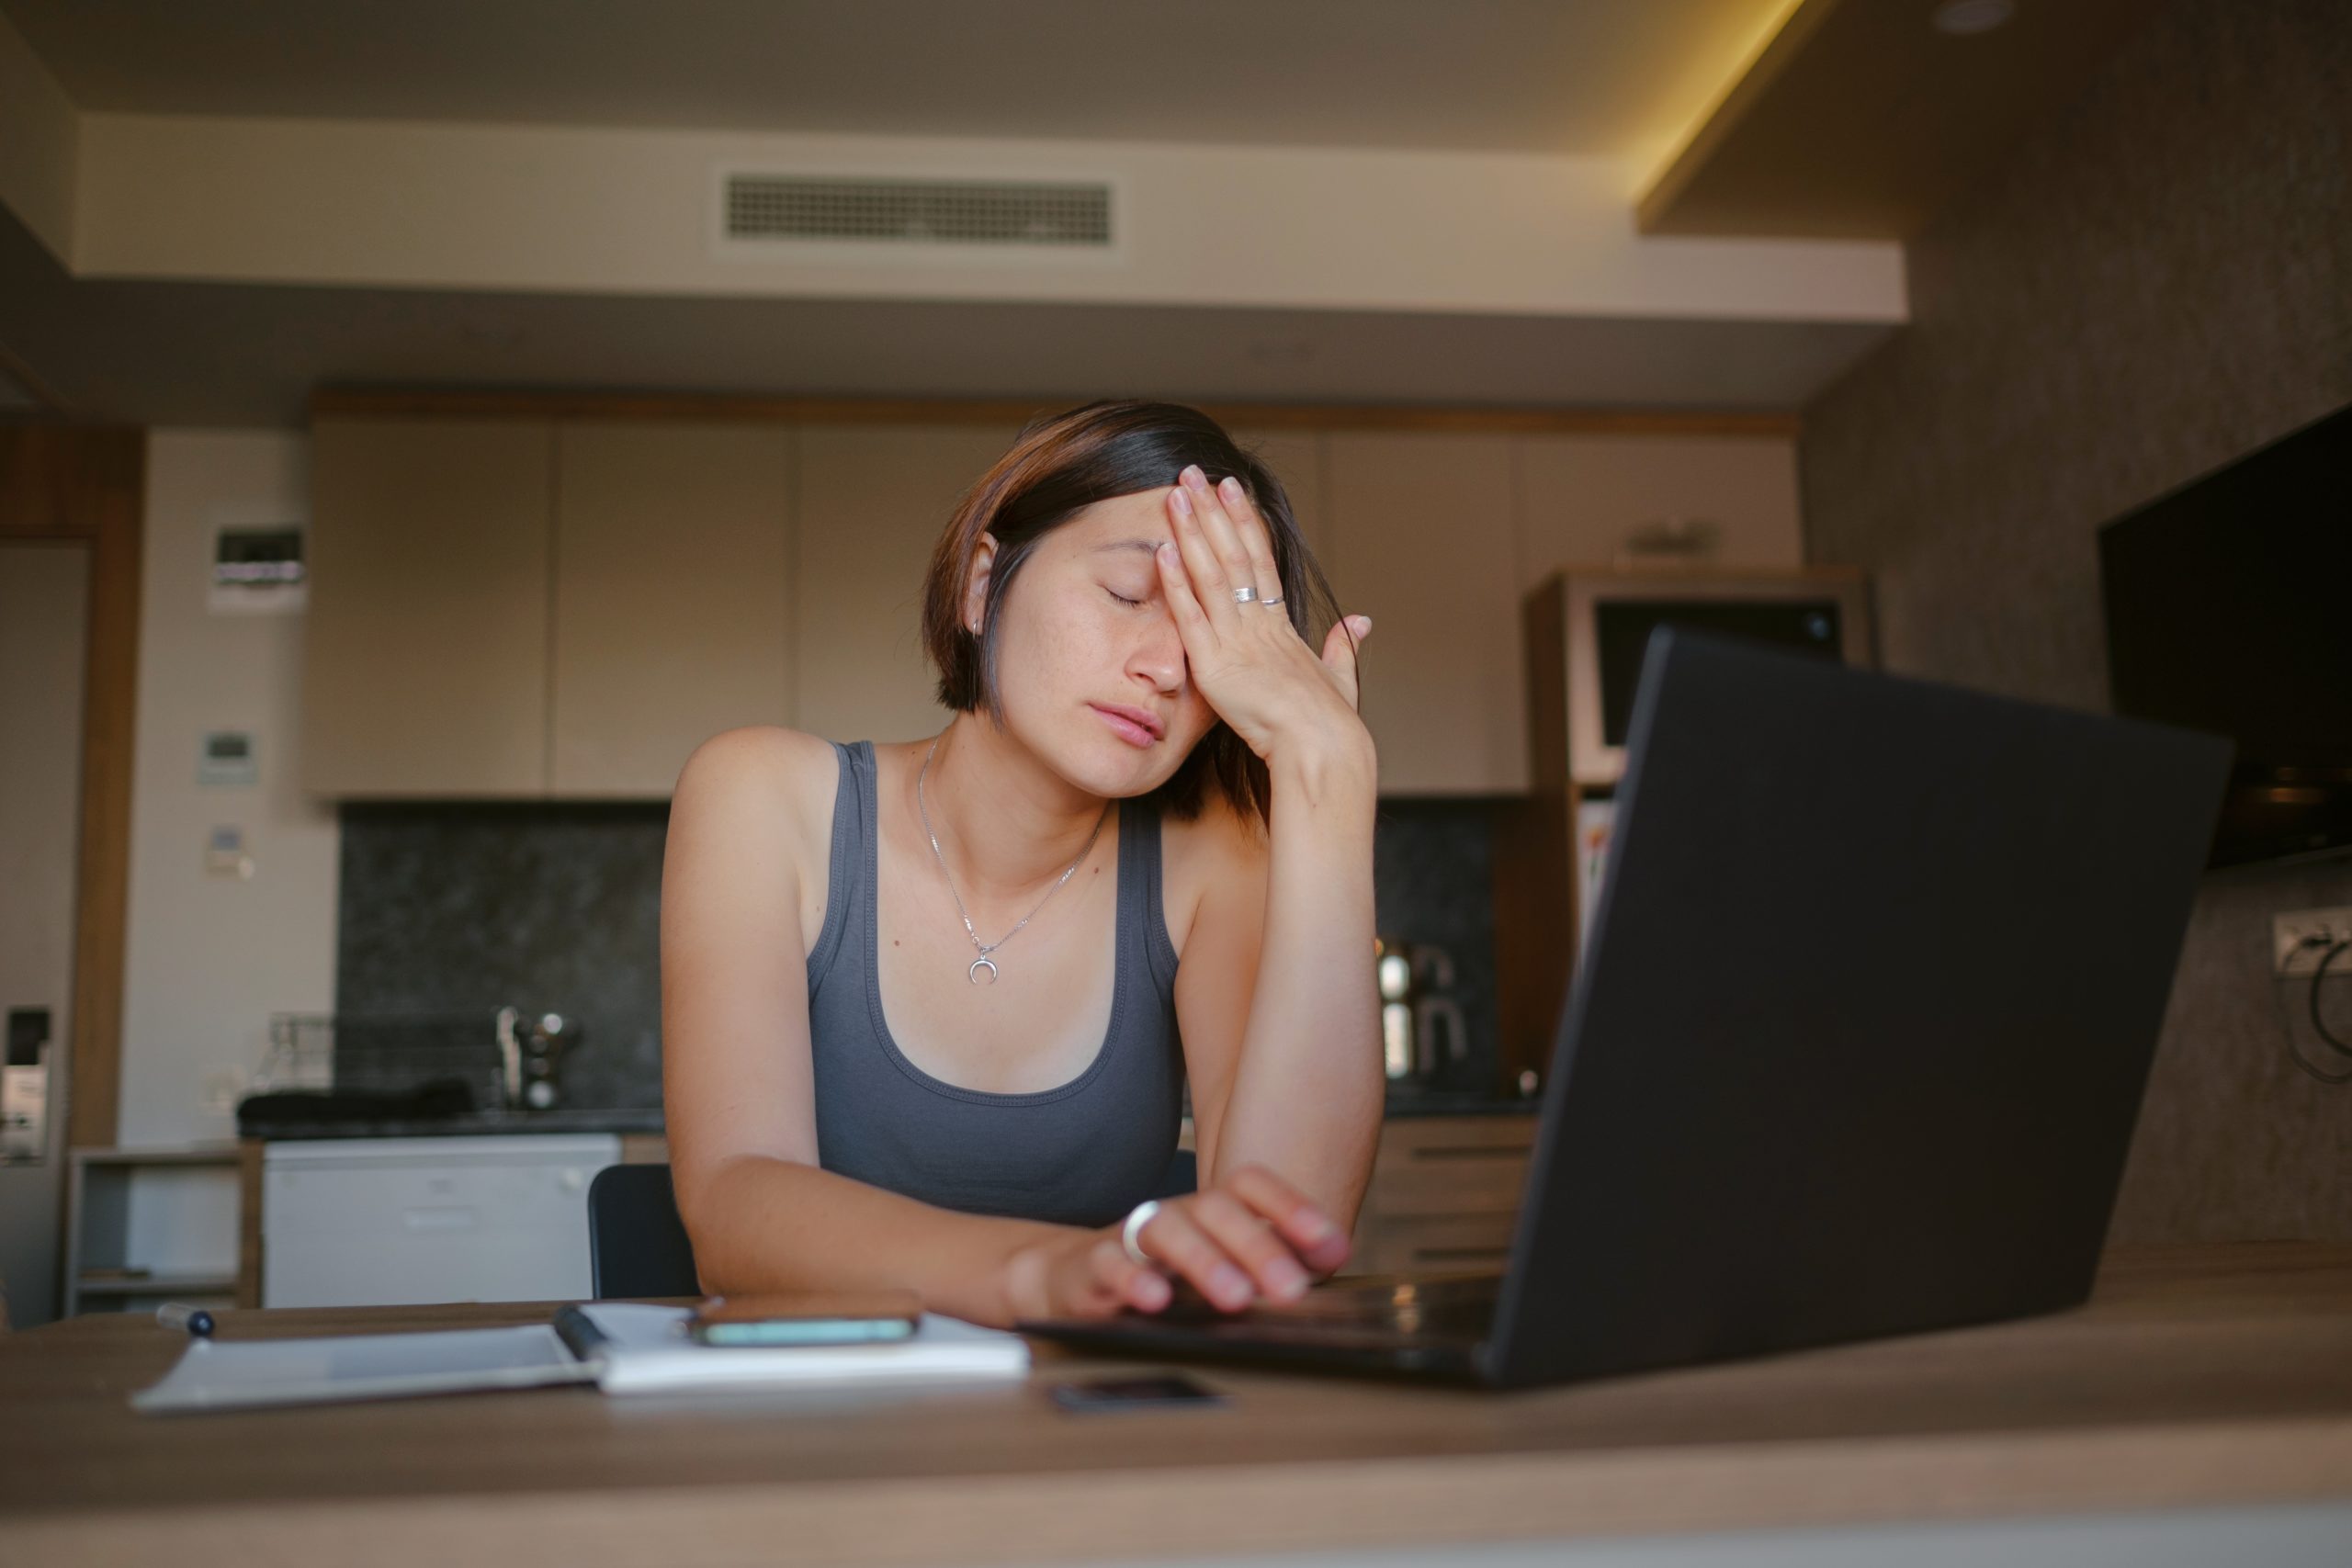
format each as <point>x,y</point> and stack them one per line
<point>1146,545</point>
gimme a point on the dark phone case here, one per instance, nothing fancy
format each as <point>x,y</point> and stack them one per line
<point>1169,1390</point>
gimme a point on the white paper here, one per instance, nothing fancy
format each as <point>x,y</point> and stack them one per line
<point>212,1375</point>
<point>647,1351</point>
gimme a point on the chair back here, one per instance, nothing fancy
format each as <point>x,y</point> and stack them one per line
<point>1183,1176</point>
<point>636,1244</point>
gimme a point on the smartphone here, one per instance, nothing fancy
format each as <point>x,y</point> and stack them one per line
<point>812,1319</point>
<point>1161,1392</point>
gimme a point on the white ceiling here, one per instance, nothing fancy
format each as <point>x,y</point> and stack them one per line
<point>1617,77</point>
<point>174,354</point>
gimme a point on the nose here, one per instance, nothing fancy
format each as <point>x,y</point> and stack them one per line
<point>1158,657</point>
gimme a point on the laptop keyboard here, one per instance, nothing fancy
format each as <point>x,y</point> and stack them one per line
<point>1445,1307</point>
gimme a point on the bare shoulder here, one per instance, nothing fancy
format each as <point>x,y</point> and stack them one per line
<point>761,798</point>
<point>1223,851</point>
<point>760,757</point>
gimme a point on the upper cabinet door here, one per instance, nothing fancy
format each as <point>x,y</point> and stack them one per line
<point>1581,495</point>
<point>672,595</point>
<point>1422,532</point>
<point>874,500</point>
<point>1297,458</point>
<point>425,654</point>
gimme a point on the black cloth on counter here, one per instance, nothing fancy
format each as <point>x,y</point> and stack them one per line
<point>439,1097</point>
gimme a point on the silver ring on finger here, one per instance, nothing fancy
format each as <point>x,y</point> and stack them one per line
<point>1245,593</point>
<point>1273,604</point>
<point>1137,1219</point>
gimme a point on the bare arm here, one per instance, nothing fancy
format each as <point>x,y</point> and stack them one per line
<point>737,1085</point>
<point>1279,1011</point>
<point>1278,1004</point>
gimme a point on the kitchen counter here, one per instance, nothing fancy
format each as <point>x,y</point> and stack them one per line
<point>470,1125</point>
<point>2211,1378</point>
<point>647,1119</point>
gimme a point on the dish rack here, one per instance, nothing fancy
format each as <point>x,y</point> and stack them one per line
<point>503,1057</point>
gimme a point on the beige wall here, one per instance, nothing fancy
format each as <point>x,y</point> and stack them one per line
<point>2158,282</point>
<point>211,957</point>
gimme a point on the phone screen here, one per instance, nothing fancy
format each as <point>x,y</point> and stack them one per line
<point>1150,1393</point>
<point>804,1331</point>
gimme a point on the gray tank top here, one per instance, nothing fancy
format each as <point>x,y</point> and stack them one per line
<point>1082,1153</point>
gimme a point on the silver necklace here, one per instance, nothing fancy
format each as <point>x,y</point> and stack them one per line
<point>984,961</point>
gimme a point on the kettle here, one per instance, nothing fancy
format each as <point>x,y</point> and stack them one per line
<point>1421,1027</point>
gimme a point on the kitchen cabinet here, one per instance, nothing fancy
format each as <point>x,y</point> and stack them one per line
<point>118,1258</point>
<point>511,606</point>
<point>425,642</point>
<point>1297,458</point>
<point>672,590</point>
<point>872,499</point>
<point>370,1222</point>
<point>1444,1194</point>
<point>1422,539</point>
<point>1580,495</point>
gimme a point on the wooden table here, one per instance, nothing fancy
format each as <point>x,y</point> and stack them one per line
<point>2195,1377</point>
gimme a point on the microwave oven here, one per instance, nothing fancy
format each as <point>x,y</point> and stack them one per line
<point>1608,613</point>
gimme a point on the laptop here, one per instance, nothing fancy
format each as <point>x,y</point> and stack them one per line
<point>1856,1047</point>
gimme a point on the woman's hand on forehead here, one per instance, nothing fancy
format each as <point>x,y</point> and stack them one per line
<point>1246,655</point>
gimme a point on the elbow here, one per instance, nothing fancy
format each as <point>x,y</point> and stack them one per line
<point>720,1203</point>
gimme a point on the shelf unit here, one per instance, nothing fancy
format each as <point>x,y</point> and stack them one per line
<point>98,1231</point>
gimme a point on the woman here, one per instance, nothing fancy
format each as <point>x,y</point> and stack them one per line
<point>929,1008</point>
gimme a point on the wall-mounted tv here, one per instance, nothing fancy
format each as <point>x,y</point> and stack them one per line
<point>2229,609</point>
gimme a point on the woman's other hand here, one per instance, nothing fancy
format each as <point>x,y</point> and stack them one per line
<point>1251,1236</point>
<point>1246,657</point>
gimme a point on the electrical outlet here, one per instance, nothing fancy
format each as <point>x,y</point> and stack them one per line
<point>2289,932</point>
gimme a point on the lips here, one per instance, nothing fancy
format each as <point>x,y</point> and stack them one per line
<point>1138,726</point>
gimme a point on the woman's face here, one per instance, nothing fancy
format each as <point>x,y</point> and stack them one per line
<point>1091,671</point>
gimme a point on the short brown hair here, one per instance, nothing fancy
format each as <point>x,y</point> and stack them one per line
<point>1061,464</point>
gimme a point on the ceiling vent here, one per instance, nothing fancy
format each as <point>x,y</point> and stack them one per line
<point>762,208</point>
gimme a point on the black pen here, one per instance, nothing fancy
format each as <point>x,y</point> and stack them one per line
<point>196,1320</point>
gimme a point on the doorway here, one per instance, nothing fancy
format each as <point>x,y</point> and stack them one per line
<point>44,598</point>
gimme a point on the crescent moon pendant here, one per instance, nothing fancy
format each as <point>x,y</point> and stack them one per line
<point>973,973</point>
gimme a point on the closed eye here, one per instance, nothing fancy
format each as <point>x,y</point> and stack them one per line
<point>1132,604</point>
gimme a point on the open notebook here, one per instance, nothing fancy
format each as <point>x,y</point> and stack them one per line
<point>621,1347</point>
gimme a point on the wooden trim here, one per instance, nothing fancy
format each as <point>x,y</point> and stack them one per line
<point>1535,855</point>
<point>639,1148</point>
<point>249,1171</point>
<point>108,738</point>
<point>88,485</point>
<point>392,402</point>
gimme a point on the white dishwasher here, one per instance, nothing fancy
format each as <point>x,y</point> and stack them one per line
<point>385,1222</point>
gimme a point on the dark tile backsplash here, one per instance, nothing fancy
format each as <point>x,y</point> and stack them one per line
<point>1433,867</point>
<point>556,906</point>
<point>550,907</point>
